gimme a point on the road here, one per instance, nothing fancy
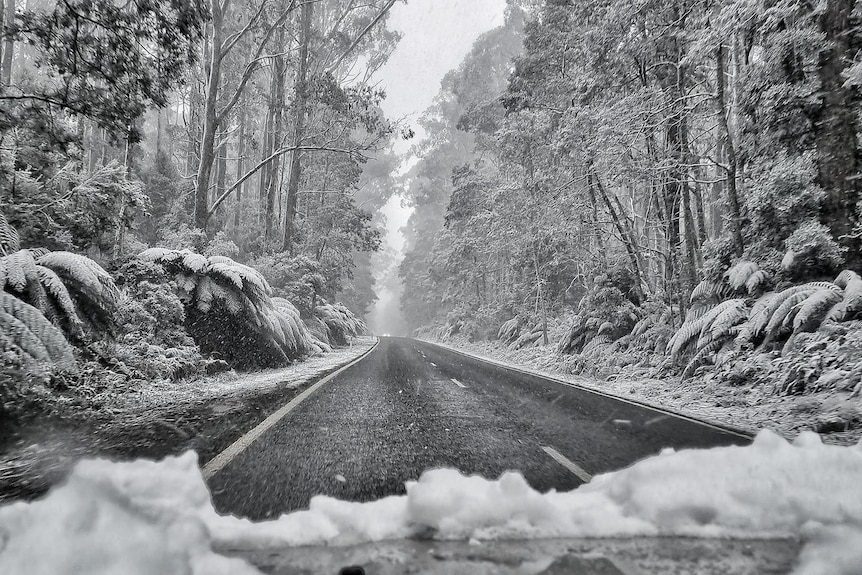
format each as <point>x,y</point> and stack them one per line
<point>409,405</point>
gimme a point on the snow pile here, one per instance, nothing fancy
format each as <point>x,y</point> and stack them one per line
<point>146,517</point>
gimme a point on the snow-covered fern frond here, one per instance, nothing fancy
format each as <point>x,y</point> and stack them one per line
<point>508,332</point>
<point>92,288</point>
<point>703,291</point>
<point>29,330</point>
<point>760,318</point>
<point>738,275</point>
<point>756,282</point>
<point>195,263</point>
<point>20,271</point>
<point>228,272</point>
<point>787,307</point>
<point>845,277</point>
<point>59,294</point>
<point>701,355</point>
<point>814,309</point>
<point>693,329</point>
<point>9,240</point>
<point>735,313</point>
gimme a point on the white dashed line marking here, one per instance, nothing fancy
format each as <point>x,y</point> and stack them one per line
<point>458,383</point>
<point>568,464</point>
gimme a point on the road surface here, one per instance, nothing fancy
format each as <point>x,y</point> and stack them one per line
<point>409,405</point>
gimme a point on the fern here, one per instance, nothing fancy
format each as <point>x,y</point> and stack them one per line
<point>734,314</point>
<point>845,277</point>
<point>700,356</point>
<point>255,325</point>
<point>92,288</point>
<point>20,270</point>
<point>690,330</point>
<point>738,275</point>
<point>9,240</point>
<point>758,317</point>
<point>705,290</point>
<point>28,330</point>
<point>756,281</point>
<point>787,308</point>
<point>761,323</point>
<point>814,309</point>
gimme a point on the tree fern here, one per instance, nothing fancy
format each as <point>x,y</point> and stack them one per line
<point>734,314</point>
<point>814,309</point>
<point>9,240</point>
<point>34,335</point>
<point>845,277</point>
<point>756,282</point>
<point>20,270</point>
<point>253,325</point>
<point>761,324</point>
<point>787,307</point>
<point>92,288</point>
<point>701,355</point>
<point>705,290</point>
<point>691,330</point>
<point>739,274</point>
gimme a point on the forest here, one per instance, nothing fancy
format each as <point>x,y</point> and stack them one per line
<point>186,187</point>
<point>660,190</point>
<point>666,190</point>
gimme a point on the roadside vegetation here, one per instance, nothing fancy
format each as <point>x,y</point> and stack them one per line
<point>663,194</point>
<point>169,210</point>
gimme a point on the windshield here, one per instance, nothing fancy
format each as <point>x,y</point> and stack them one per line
<point>528,286</point>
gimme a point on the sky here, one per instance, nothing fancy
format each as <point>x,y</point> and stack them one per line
<point>437,34</point>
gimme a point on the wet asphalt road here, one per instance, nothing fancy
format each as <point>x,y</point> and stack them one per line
<point>397,412</point>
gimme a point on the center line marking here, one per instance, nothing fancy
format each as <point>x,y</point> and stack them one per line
<point>458,383</point>
<point>568,464</point>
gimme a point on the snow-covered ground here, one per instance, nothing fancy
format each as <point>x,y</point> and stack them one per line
<point>145,517</point>
<point>152,395</point>
<point>751,407</point>
<point>174,411</point>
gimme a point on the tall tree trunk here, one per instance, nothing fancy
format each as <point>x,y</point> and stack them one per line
<point>837,148</point>
<point>726,142</point>
<point>210,118</point>
<point>266,151</point>
<point>240,168</point>
<point>221,174</point>
<point>8,44</point>
<point>273,177</point>
<point>301,102</point>
<point>120,235</point>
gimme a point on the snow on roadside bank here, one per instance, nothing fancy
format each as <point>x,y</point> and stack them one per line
<point>155,517</point>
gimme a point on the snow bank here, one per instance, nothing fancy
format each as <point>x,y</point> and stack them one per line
<point>156,517</point>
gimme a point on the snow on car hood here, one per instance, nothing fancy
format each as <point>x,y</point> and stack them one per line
<point>145,517</point>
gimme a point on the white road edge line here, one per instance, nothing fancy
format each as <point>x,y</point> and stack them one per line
<point>577,470</point>
<point>458,383</point>
<point>221,460</point>
<point>664,410</point>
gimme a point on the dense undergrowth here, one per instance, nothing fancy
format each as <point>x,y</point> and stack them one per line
<point>73,335</point>
<point>749,327</point>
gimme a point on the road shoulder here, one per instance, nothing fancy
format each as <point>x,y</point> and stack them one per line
<point>162,418</point>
